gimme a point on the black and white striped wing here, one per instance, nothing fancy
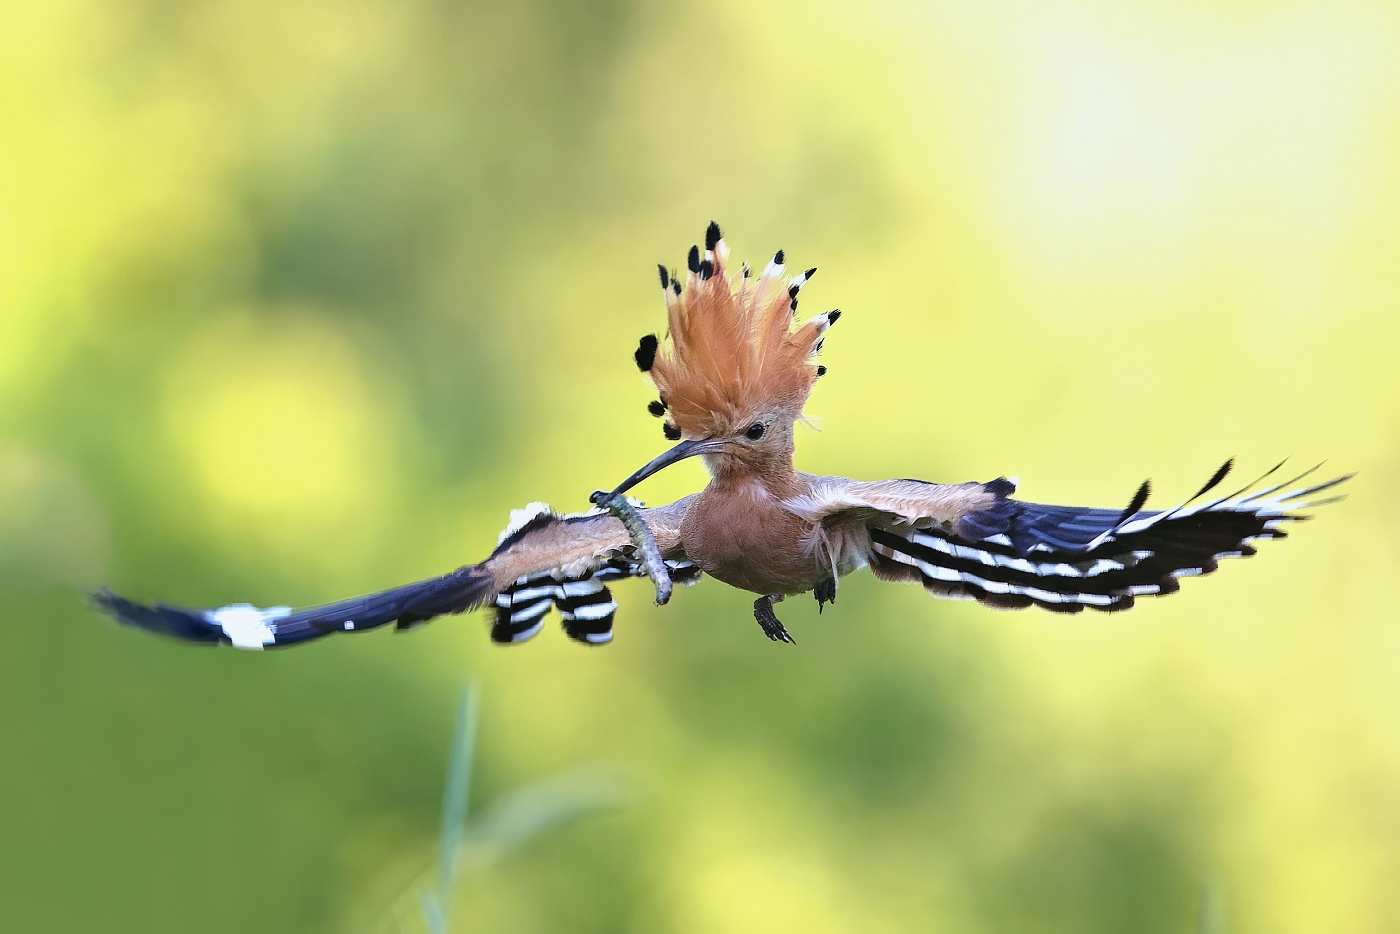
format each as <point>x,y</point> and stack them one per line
<point>583,601</point>
<point>1063,558</point>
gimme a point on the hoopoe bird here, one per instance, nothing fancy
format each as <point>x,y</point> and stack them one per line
<point>733,375</point>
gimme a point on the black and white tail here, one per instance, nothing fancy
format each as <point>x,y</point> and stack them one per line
<point>1065,558</point>
<point>584,603</point>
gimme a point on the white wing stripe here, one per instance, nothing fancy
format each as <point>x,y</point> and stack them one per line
<point>591,611</point>
<point>530,594</point>
<point>581,588</point>
<point>1040,569</point>
<point>527,633</point>
<point>532,612</point>
<point>246,626</point>
<point>950,575</point>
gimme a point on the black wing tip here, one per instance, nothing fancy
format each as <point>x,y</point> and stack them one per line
<point>1000,487</point>
<point>167,620</point>
<point>1138,501</point>
<point>1318,488</point>
<point>104,600</point>
<point>1220,474</point>
<point>121,609</point>
<point>580,631</point>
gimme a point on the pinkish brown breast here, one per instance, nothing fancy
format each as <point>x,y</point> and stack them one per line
<point>740,534</point>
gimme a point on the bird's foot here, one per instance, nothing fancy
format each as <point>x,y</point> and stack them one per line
<point>773,627</point>
<point>825,592</point>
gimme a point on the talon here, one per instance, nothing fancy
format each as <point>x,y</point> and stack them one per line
<point>825,592</point>
<point>772,627</point>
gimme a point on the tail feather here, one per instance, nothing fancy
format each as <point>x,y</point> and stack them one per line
<point>1065,558</point>
<point>249,627</point>
<point>586,607</point>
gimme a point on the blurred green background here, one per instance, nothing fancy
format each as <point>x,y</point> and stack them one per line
<point>299,300</point>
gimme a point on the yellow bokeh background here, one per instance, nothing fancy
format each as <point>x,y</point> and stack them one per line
<point>300,300</point>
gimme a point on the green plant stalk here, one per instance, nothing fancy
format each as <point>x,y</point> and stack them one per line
<point>437,907</point>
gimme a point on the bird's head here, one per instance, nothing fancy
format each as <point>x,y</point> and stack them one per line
<point>732,372</point>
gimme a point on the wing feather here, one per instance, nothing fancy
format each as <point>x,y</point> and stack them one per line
<point>542,560</point>
<point>972,541</point>
<point>911,502</point>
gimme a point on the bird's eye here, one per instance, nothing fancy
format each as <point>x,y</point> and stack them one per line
<point>755,431</point>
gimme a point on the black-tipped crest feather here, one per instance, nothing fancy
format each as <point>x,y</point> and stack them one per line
<point>645,354</point>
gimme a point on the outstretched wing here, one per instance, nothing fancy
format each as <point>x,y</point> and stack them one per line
<point>973,542</point>
<point>542,559</point>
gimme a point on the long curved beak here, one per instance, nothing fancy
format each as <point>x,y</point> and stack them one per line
<point>678,453</point>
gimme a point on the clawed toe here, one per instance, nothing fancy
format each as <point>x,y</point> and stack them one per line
<point>772,627</point>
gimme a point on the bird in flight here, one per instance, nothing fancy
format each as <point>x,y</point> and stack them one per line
<point>733,373</point>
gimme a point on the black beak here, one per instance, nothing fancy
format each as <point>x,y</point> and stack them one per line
<point>678,453</point>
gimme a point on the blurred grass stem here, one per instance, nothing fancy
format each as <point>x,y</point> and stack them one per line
<point>437,906</point>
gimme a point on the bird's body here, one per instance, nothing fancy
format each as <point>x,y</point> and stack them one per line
<point>739,531</point>
<point>733,377</point>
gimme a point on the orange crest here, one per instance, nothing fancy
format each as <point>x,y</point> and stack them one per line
<point>731,354</point>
